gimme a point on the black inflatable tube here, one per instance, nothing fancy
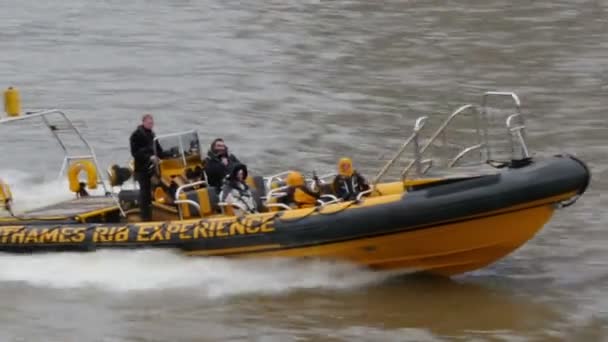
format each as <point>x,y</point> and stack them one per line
<point>420,208</point>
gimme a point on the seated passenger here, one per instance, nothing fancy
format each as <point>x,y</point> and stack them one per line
<point>236,191</point>
<point>298,194</point>
<point>348,183</point>
<point>218,163</point>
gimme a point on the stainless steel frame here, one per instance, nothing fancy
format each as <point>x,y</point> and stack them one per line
<point>515,128</point>
<point>44,116</point>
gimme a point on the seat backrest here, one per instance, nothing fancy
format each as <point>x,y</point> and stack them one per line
<point>258,191</point>
<point>206,198</point>
<point>187,209</point>
<point>258,183</point>
<point>327,189</point>
<point>203,197</point>
<point>214,199</point>
<point>225,209</point>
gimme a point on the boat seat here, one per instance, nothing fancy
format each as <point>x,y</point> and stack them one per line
<point>327,189</point>
<point>214,199</point>
<point>258,191</point>
<point>206,198</point>
<point>194,174</point>
<point>257,188</point>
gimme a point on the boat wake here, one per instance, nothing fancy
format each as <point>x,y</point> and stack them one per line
<point>141,270</point>
<point>31,192</point>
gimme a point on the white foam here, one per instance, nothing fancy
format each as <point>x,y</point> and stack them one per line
<point>125,270</point>
<point>30,192</point>
<point>33,192</point>
<point>131,270</point>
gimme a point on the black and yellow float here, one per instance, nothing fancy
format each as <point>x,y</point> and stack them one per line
<point>444,226</point>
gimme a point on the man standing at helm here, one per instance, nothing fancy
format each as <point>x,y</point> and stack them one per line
<point>142,150</point>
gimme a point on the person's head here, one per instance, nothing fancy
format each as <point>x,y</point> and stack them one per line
<point>345,167</point>
<point>218,147</point>
<point>239,173</point>
<point>147,121</point>
<point>294,178</point>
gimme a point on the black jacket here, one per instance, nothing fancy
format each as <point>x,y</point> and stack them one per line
<point>142,142</point>
<point>216,170</point>
<point>348,188</point>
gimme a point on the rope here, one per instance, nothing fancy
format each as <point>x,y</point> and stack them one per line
<point>43,218</point>
<point>341,210</point>
<point>4,222</point>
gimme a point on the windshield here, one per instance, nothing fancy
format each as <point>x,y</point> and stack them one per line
<point>177,145</point>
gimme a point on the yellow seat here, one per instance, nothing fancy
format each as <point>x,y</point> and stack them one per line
<point>203,198</point>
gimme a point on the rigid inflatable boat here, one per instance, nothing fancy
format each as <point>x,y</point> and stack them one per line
<point>418,223</point>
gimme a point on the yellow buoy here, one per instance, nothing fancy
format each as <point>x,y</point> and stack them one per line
<point>74,170</point>
<point>12,102</point>
<point>6,197</point>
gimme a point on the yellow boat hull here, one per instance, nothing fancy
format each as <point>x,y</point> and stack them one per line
<point>446,250</point>
<point>446,227</point>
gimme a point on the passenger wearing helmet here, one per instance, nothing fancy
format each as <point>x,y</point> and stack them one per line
<point>237,191</point>
<point>348,183</point>
<point>298,194</point>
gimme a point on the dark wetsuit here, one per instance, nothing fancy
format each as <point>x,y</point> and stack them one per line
<point>348,188</point>
<point>142,142</point>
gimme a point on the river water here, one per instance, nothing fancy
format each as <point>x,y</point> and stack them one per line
<point>297,84</point>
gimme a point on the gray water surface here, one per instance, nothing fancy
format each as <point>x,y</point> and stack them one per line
<point>298,84</point>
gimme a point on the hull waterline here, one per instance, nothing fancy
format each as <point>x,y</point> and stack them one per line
<point>446,250</point>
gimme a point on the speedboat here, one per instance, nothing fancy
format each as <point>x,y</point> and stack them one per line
<point>415,222</point>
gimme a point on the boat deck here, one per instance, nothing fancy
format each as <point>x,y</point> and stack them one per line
<point>73,207</point>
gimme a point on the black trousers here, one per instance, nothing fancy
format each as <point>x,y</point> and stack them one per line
<point>145,196</point>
